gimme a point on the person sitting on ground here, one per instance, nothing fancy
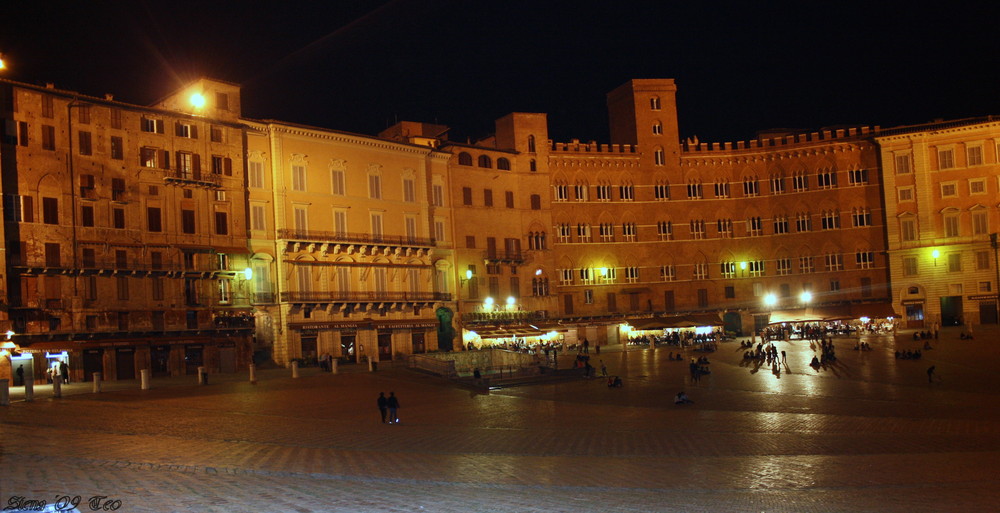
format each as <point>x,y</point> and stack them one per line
<point>618,382</point>
<point>814,362</point>
<point>682,398</point>
<point>927,345</point>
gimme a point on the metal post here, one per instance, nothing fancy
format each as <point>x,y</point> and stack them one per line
<point>253,374</point>
<point>97,382</point>
<point>4,393</point>
<point>57,386</point>
<point>295,369</point>
<point>144,379</point>
<point>29,386</point>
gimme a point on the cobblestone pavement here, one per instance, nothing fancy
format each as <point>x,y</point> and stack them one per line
<point>866,434</point>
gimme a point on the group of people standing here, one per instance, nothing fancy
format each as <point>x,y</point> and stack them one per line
<point>388,405</point>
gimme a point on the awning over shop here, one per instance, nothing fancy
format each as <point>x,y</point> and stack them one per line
<point>516,330</point>
<point>677,321</point>
<point>833,313</point>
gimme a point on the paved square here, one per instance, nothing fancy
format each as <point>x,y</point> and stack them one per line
<point>868,433</point>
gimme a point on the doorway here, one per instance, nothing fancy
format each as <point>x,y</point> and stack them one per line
<point>951,310</point>
<point>385,346</point>
<point>124,363</point>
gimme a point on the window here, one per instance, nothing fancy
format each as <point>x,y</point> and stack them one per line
<point>834,262</point>
<point>581,191</point>
<point>185,130</point>
<point>503,164</point>
<point>258,218</point>
<point>982,260</point>
<point>657,128</point>
<point>697,229</point>
<point>781,224</point>
<point>827,179</point>
<point>694,190</point>
<point>755,228</point>
<point>777,184</point>
<point>661,191</point>
<point>122,285</point>
<point>536,240</point>
<point>974,156</point>
<point>565,276</point>
<point>654,103</point>
<point>298,177</point>
<point>410,225</point>
<point>586,276</point>
<point>784,266</point>
<point>185,164</point>
<point>985,286</point>
<point>467,196</point>
<point>19,208</point>
<point>803,223</point>
<point>905,193</point>
<point>85,146</point>
<point>464,159</point>
<point>606,232</point>
<point>861,217</point>
<point>946,158</point>
<point>439,230</point>
<point>751,187</point>
<point>563,232</point>
<point>52,254</point>
<point>217,134</point>
<point>340,223</point>
<point>87,215</point>
<point>485,161</point>
<point>626,192</point>
<point>470,241</point>
<point>221,101</point>
<point>118,218</point>
<point>806,265</point>
<point>588,296</point>
<point>631,274</point>
<point>222,165</point>
<point>756,268</point>
<point>951,225</point>
<point>221,223</point>
<point>409,190</point>
<point>728,270</point>
<point>437,195</point>
<point>376,224</point>
<point>375,186</point>
<point>531,144</point>
<point>903,165</point>
<point>977,186</point>
<point>508,197</point>
<point>831,220</point>
<point>187,221</point>
<point>47,106</point>
<point>667,273</point>
<point>536,202</point>
<point>722,190</point>
<point>857,176</point>
<point>117,150</point>
<point>659,158</point>
<point>154,126</point>
<point>980,225</point>
<point>700,271</point>
<point>909,266</point>
<point>954,262</point>
<point>583,233</point>
<point>561,192</point>
<point>949,190</point>
<point>488,197</point>
<point>609,274</point>
<point>48,137</point>
<point>148,157</point>
<point>725,228</point>
<point>533,166</point>
<point>800,182</point>
<point>908,229</point>
<point>865,259</point>
<point>665,230</point>
<point>628,232</point>
<point>50,211</point>
<point>834,285</point>
<point>256,172</point>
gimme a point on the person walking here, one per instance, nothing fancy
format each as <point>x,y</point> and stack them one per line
<point>383,405</point>
<point>64,372</point>
<point>19,381</point>
<point>930,374</point>
<point>604,369</point>
<point>393,405</point>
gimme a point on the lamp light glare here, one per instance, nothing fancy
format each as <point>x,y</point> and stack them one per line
<point>770,299</point>
<point>488,301</point>
<point>248,273</point>
<point>538,272</point>
<point>197,100</point>
<point>511,300</point>
<point>935,253</point>
<point>468,274</point>
<point>743,265</point>
<point>806,296</point>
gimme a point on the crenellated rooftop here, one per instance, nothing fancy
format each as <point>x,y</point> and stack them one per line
<point>592,148</point>
<point>693,147</point>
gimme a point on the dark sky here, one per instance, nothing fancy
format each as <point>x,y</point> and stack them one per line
<point>360,65</point>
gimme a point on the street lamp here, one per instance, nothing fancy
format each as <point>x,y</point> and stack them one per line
<point>3,65</point>
<point>805,297</point>
<point>770,300</point>
<point>935,254</point>
<point>197,100</point>
<point>488,303</point>
<point>468,276</point>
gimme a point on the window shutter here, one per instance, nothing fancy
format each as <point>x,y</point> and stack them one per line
<point>194,132</point>
<point>227,165</point>
<point>166,160</point>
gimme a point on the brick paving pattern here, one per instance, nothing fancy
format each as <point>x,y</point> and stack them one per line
<point>866,434</point>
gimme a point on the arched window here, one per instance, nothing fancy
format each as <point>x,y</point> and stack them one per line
<point>531,144</point>
<point>485,161</point>
<point>465,159</point>
<point>503,164</point>
<point>654,103</point>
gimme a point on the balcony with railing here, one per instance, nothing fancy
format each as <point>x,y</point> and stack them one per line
<point>182,177</point>
<point>504,257</point>
<point>263,298</point>
<point>505,316</point>
<point>364,297</point>
<point>309,236</point>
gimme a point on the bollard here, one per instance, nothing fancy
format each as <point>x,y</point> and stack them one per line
<point>253,374</point>
<point>29,387</point>
<point>333,365</point>
<point>57,386</point>
<point>295,369</point>
<point>97,382</point>
<point>370,365</point>
<point>144,379</point>
<point>4,393</point>
<point>202,376</point>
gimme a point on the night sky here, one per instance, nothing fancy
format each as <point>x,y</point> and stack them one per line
<point>361,65</point>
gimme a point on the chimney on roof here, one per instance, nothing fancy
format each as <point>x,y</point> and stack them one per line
<point>109,96</point>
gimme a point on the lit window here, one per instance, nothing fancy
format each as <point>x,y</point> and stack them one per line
<point>905,194</point>
<point>946,159</point>
<point>949,190</point>
<point>974,155</point>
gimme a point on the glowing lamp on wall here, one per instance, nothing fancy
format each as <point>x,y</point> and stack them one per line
<point>197,100</point>
<point>770,300</point>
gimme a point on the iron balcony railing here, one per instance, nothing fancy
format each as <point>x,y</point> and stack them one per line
<point>369,296</point>
<point>353,238</point>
